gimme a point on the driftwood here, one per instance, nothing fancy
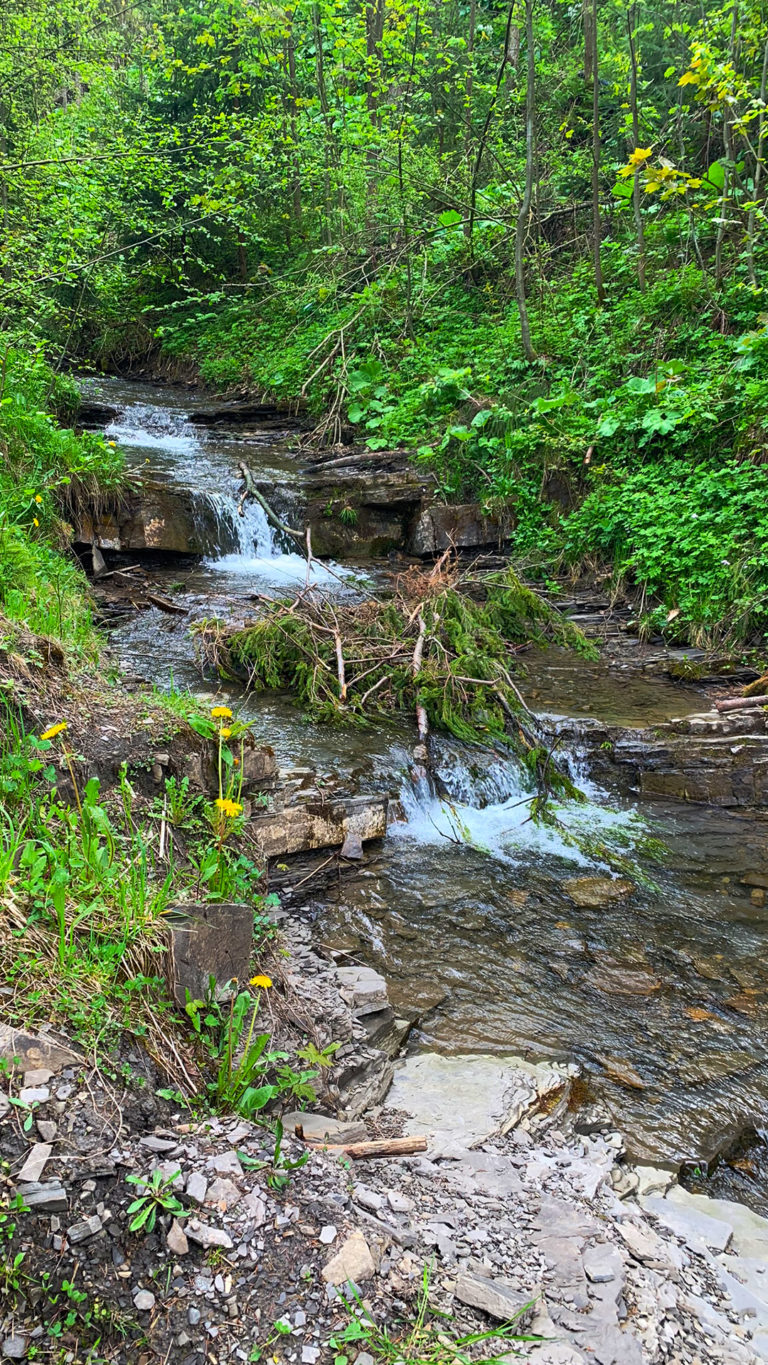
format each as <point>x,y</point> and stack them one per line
<point>740,703</point>
<point>251,491</point>
<point>164,604</point>
<point>359,1151</point>
<point>757,688</point>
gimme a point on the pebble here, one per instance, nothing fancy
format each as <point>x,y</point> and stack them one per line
<point>227,1163</point>
<point>328,1234</point>
<point>197,1186</point>
<point>143,1301</point>
<point>193,1316</point>
<point>176,1240</point>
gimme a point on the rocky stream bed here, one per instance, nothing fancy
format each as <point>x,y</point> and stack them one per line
<point>574,1021</point>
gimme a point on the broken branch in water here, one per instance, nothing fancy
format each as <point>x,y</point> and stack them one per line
<point>251,491</point>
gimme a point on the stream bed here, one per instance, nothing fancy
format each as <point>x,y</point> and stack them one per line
<point>465,908</point>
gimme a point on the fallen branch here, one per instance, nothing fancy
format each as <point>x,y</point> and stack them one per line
<point>360,1151</point>
<point>163,604</point>
<point>740,703</point>
<point>251,491</point>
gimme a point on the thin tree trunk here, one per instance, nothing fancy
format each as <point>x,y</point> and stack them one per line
<point>596,224</point>
<point>586,14</point>
<point>758,168</point>
<point>631,23</point>
<point>728,148</point>
<point>522,225</point>
<point>291,55</point>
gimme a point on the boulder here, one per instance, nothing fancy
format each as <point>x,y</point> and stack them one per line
<point>32,1051</point>
<point>441,527</point>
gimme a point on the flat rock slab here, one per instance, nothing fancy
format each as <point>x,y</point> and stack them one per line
<point>593,892</point>
<point>32,1051</point>
<point>460,1101</point>
<point>696,1228</point>
<point>324,1128</point>
<point>750,1230</point>
<point>35,1163</point>
<point>493,1297</point>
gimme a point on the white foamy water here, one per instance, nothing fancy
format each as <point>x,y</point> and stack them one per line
<point>487,806</point>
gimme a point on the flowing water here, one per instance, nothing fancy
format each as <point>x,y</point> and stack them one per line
<point>662,997</point>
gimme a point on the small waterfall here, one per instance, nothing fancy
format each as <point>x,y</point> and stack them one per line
<point>484,801</point>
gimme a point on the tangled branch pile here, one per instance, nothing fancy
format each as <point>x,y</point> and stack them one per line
<point>441,646</point>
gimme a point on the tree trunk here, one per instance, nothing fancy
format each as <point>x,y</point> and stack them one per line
<point>631,24</point>
<point>522,225</point>
<point>758,168</point>
<point>596,224</point>
<point>728,148</point>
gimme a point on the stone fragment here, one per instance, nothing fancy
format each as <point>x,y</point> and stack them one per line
<point>368,1199</point>
<point>176,1240</point>
<point>193,1316</point>
<point>38,1075</point>
<point>257,1209</point>
<point>643,1243</point>
<point>591,893</point>
<point>322,1128</point>
<point>35,1163</point>
<point>328,1234</point>
<point>227,1163</point>
<point>364,990</point>
<point>310,1355</point>
<point>353,1261</point>
<point>15,1347</point>
<point>364,1358</point>
<point>490,1296</point>
<point>143,1301</point>
<point>47,1130</point>
<point>34,1094</point>
<point>222,1193</point>
<point>197,1186</point>
<point>320,824</point>
<point>159,1144</point>
<point>47,1196</point>
<point>209,940</point>
<point>88,1227</point>
<point>206,1236</point>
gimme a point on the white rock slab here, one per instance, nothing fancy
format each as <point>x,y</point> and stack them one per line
<point>459,1101</point>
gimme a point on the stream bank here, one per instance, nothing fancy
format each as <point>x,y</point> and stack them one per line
<point>520,1205</point>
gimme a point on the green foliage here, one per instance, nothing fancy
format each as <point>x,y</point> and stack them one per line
<point>43,469</point>
<point>249,1076</point>
<point>157,1197</point>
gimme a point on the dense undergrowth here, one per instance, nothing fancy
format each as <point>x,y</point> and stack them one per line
<point>44,466</point>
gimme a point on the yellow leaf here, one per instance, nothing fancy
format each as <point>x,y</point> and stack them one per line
<point>689,78</point>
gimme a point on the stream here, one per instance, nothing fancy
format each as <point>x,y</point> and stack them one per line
<point>660,997</point>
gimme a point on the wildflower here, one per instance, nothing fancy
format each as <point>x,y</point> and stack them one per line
<point>35,522</point>
<point>38,499</point>
<point>230,808</point>
<point>221,712</point>
<point>225,732</point>
<point>236,762</point>
<point>112,444</point>
<point>54,730</point>
<point>263,981</point>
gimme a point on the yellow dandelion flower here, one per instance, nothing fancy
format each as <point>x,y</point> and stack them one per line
<point>38,499</point>
<point>35,522</point>
<point>221,712</point>
<point>113,444</point>
<point>225,732</point>
<point>229,808</point>
<point>54,730</point>
<point>263,981</point>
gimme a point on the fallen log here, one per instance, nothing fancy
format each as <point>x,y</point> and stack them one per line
<point>740,703</point>
<point>360,1151</point>
<point>758,688</point>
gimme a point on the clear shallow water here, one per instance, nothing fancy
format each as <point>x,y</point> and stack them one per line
<point>662,996</point>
